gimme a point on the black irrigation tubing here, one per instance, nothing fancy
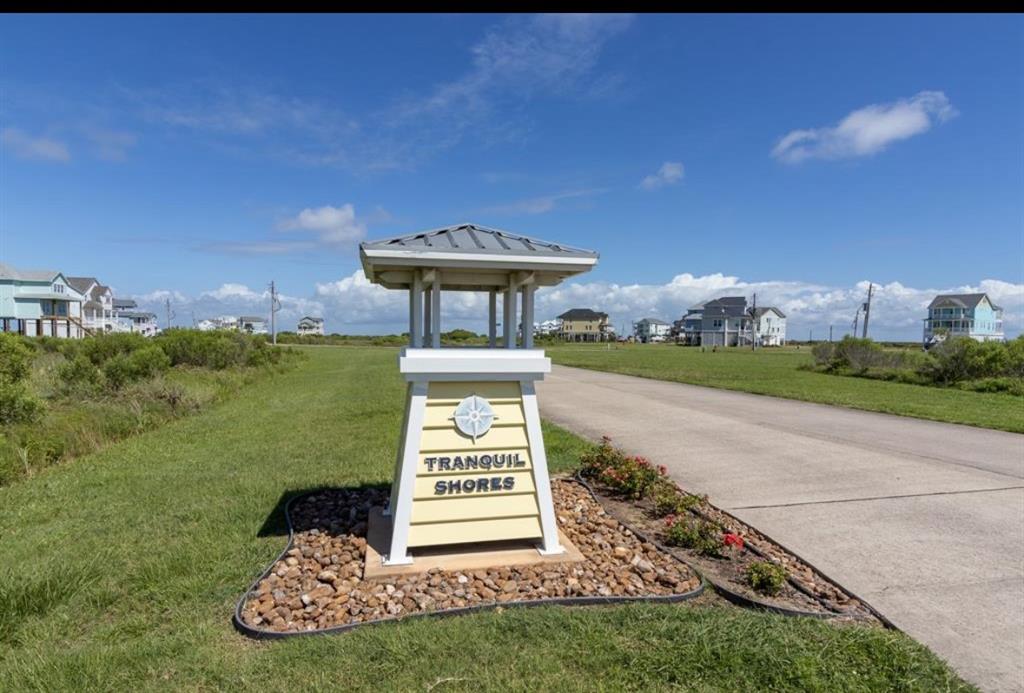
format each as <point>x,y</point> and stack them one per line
<point>867,605</point>
<point>743,600</point>
<point>260,634</point>
<point>728,594</point>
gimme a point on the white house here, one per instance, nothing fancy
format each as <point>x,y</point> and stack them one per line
<point>651,330</point>
<point>39,303</point>
<point>309,325</point>
<point>727,321</point>
<point>224,322</point>
<point>770,325</point>
<point>547,328</point>
<point>252,324</point>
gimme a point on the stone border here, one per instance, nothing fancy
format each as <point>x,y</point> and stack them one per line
<point>260,634</point>
<point>740,599</point>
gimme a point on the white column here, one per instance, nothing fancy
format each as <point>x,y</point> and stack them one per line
<point>401,504</point>
<point>428,315</point>
<point>492,318</point>
<point>435,312</point>
<point>416,310</point>
<point>510,313</point>
<point>528,292</point>
<point>541,480</point>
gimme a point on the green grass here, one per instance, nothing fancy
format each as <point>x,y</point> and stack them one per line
<point>121,570</point>
<point>776,372</point>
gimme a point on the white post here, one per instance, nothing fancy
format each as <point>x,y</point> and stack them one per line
<point>510,313</point>
<point>435,312</point>
<point>416,311</point>
<point>401,510</point>
<point>428,316</point>
<point>541,480</point>
<point>492,318</point>
<point>528,295</point>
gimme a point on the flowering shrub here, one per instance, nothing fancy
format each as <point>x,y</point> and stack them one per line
<point>733,541</point>
<point>633,476</point>
<point>694,533</point>
<point>668,500</point>
<point>766,577</point>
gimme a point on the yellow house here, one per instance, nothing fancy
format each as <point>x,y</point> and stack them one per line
<point>585,325</point>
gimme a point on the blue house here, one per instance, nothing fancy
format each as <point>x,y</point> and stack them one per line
<point>963,315</point>
<point>39,303</point>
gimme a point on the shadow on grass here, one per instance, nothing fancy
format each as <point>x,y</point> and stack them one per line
<point>276,522</point>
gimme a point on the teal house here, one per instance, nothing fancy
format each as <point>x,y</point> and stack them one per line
<point>963,315</point>
<point>39,303</point>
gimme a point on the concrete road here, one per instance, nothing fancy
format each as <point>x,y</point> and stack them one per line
<point>924,520</point>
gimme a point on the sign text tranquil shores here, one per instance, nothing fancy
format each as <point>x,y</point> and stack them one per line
<point>470,462</point>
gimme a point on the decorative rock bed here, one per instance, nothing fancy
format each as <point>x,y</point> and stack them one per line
<point>317,585</point>
<point>807,592</point>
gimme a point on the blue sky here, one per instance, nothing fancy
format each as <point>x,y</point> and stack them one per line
<point>796,156</point>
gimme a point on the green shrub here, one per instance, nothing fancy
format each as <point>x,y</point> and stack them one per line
<point>102,348</point>
<point>1015,357</point>
<point>15,358</point>
<point>668,500</point>
<point>17,404</point>
<point>766,577</point>
<point>694,533</point>
<point>78,375</point>
<point>1013,386</point>
<point>632,476</point>
<point>142,364</point>
<point>958,359</point>
<point>216,350</point>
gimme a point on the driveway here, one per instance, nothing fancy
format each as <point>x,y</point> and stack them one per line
<point>922,519</point>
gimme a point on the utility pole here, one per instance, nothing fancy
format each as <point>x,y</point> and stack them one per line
<point>753,332</point>
<point>867,311</point>
<point>830,334</point>
<point>810,336</point>
<point>170,313</point>
<point>275,305</point>
<point>856,321</point>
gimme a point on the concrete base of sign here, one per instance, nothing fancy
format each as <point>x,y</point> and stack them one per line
<point>475,556</point>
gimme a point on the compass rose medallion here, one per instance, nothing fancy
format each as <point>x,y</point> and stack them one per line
<point>474,416</point>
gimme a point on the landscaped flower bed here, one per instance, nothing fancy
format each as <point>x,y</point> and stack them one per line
<point>740,561</point>
<point>317,583</point>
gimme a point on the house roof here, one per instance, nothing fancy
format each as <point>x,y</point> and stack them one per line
<point>758,312</point>
<point>8,272</point>
<point>124,303</point>
<point>138,314</point>
<point>961,300</point>
<point>251,318</point>
<point>652,321</point>
<point>471,257</point>
<point>82,284</point>
<point>582,314</point>
<point>311,319</point>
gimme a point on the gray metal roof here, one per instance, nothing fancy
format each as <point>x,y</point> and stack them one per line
<point>652,321</point>
<point>758,312</point>
<point>124,303</point>
<point>8,272</point>
<point>476,239</point>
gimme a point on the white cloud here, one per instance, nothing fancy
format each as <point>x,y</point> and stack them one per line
<point>111,145</point>
<point>353,305</point>
<point>542,204</point>
<point>867,130</point>
<point>332,225</point>
<point>41,148</point>
<point>670,173</point>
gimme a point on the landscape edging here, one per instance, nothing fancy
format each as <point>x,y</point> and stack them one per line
<point>260,634</point>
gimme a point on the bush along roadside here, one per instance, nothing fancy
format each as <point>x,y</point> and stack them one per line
<point>60,399</point>
<point>742,564</point>
<point>959,362</point>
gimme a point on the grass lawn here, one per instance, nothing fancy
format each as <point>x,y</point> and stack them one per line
<point>775,372</point>
<point>120,570</point>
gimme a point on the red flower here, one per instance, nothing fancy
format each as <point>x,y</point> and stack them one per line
<point>662,469</point>
<point>733,540</point>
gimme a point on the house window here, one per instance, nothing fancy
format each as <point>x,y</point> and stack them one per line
<point>58,288</point>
